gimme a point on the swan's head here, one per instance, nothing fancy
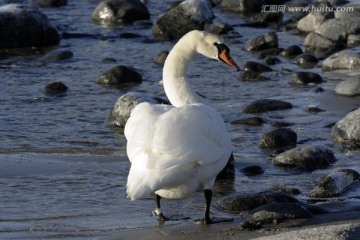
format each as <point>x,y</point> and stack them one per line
<point>213,47</point>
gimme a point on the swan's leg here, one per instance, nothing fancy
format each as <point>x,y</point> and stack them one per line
<point>157,212</point>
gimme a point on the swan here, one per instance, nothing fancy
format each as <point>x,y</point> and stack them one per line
<point>174,149</point>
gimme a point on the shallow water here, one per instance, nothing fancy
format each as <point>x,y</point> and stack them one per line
<point>63,171</point>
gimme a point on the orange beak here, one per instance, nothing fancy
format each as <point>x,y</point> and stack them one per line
<point>225,56</point>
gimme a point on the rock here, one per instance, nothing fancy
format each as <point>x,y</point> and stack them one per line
<point>242,6</point>
<point>252,170</point>
<point>306,60</point>
<point>48,3</point>
<point>335,183</point>
<point>304,78</point>
<point>290,191</point>
<point>57,55</point>
<point>270,52</point>
<point>347,130</point>
<point>266,17</point>
<point>291,51</point>
<point>315,40</point>
<point>127,11</point>
<point>187,16</point>
<point>271,60</point>
<point>349,87</point>
<point>275,213</point>
<point>256,67</point>
<point>314,109</point>
<point>338,29</point>
<point>266,105</point>
<point>324,52</point>
<point>239,203</point>
<point>55,88</point>
<point>281,137</point>
<point>120,76</point>
<point>25,26</point>
<point>346,59</point>
<point>308,158</point>
<point>252,121</point>
<point>265,41</point>
<point>217,28</point>
<point>313,20</point>
<point>161,57</point>
<point>251,76</point>
<point>353,40</point>
<point>120,113</point>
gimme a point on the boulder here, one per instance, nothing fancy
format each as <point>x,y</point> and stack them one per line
<point>335,183</point>
<point>242,6</point>
<point>353,40</point>
<point>275,213</point>
<point>239,203</point>
<point>315,40</point>
<point>291,51</point>
<point>55,88</point>
<point>306,60</point>
<point>120,113</point>
<point>266,105</point>
<point>304,78</point>
<point>265,41</point>
<point>349,87</point>
<point>251,76</point>
<point>126,11</point>
<point>347,130</point>
<point>338,29</point>
<point>312,21</point>
<point>25,26</point>
<point>346,59</point>
<point>48,3</point>
<point>309,158</point>
<point>120,76</point>
<point>278,138</point>
<point>187,16</point>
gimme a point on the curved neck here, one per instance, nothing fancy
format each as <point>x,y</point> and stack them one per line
<point>177,87</point>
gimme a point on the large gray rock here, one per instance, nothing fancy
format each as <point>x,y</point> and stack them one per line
<point>308,158</point>
<point>120,76</point>
<point>112,11</point>
<point>315,40</point>
<point>242,6</point>
<point>265,41</point>
<point>347,130</point>
<point>121,111</point>
<point>346,59</point>
<point>353,40</point>
<point>338,29</point>
<point>313,20</point>
<point>25,26</point>
<point>349,87</point>
<point>335,183</point>
<point>188,15</point>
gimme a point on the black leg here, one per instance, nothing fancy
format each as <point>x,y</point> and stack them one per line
<point>208,196</point>
<point>157,212</point>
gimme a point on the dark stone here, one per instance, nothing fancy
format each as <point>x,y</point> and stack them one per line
<point>256,67</point>
<point>290,191</point>
<point>281,124</point>
<point>120,113</point>
<point>242,6</point>
<point>324,52</point>
<point>181,20</point>
<point>308,158</point>
<point>55,88</point>
<point>252,170</point>
<point>161,57</point>
<point>335,183</point>
<point>253,121</point>
<point>315,109</point>
<point>306,60</point>
<point>24,26</point>
<point>266,17</point>
<point>217,28</point>
<point>48,3</point>
<point>126,11</point>
<point>58,55</point>
<point>241,203</point>
<point>305,78</point>
<point>251,76</point>
<point>291,51</point>
<point>275,213</point>
<point>120,76</point>
<point>265,41</point>
<point>270,52</point>
<point>271,60</point>
<point>278,138</point>
<point>266,105</point>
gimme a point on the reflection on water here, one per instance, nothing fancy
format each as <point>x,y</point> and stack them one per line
<point>70,182</point>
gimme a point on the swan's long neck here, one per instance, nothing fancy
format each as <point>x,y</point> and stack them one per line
<point>177,87</point>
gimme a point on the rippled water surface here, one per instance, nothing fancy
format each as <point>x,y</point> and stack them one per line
<point>63,171</point>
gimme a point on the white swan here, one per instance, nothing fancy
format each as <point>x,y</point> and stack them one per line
<point>175,149</point>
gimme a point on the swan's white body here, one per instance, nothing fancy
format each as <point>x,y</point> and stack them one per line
<point>175,149</point>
